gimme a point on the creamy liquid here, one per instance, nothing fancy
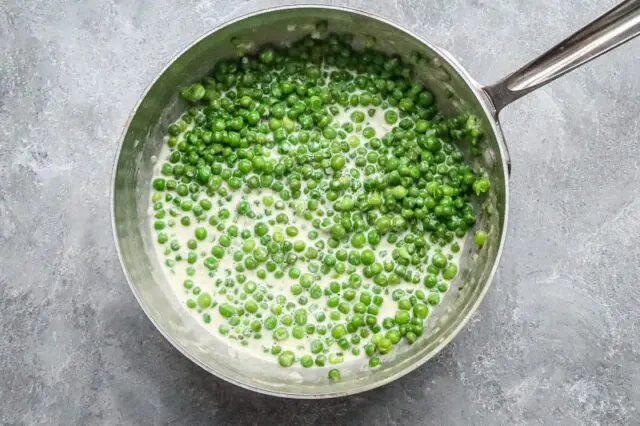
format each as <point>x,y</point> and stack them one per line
<point>176,275</point>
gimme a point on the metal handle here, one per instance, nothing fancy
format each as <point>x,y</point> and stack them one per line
<point>609,31</point>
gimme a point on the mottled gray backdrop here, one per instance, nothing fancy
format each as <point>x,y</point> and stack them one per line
<point>556,341</point>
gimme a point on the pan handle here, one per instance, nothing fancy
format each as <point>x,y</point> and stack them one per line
<point>619,25</point>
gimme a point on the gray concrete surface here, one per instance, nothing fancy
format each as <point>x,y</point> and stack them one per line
<point>555,342</point>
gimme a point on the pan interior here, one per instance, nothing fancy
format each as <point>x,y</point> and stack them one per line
<point>454,91</point>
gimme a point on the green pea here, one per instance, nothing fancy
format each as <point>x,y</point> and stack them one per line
<point>306,361</point>
<point>291,231</point>
<point>270,323</point>
<point>251,307</point>
<point>298,332</point>
<point>334,374</point>
<point>480,238</point>
<point>280,334</point>
<point>439,260</point>
<point>315,292</point>
<point>261,229</point>
<point>367,257</point>
<point>384,345</point>
<point>159,184</point>
<point>420,310</point>
<point>390,116</point>
<point>300,316</point>
<point>286,359</point>
<point>450,271</point>
<point>358,240</point>
<point>204,300</point>
<point>338,162</point>
<point>306,280</point>
<point>394,336</point>
<point>338,331</point>
<point>226,310</point>
<point>402,317</point>
<point>433,298</point>
<point>374,362</point>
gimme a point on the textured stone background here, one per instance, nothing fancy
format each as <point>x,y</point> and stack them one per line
<point>555,342</point>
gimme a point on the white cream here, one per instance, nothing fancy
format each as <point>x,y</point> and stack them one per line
<point>261,348</point>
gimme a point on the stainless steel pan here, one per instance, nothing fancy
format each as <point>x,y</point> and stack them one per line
<point>440,72</point>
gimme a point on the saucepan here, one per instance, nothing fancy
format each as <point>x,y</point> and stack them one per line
<point>455,90</point>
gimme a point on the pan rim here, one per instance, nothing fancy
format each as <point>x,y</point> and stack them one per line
<point>490,115</point>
